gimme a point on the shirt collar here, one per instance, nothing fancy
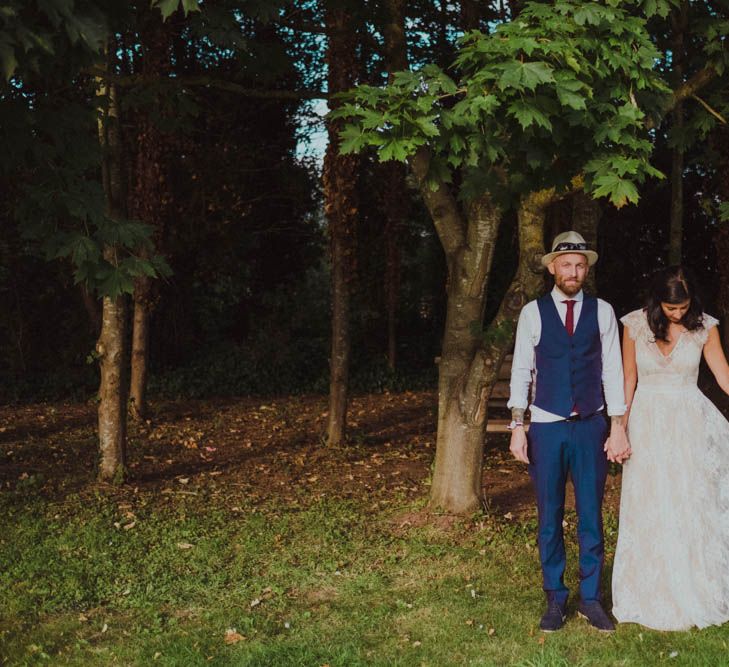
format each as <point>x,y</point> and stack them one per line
<point>559,296</point>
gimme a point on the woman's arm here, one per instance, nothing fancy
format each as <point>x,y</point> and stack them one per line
<point>630,371</point>
<point>714,355</point>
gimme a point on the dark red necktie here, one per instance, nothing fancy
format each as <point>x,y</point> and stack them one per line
<point>569,321</point>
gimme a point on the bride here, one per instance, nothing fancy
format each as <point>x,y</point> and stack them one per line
<point>671,568</point>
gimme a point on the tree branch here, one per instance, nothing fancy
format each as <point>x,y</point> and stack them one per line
<point>687,89</point>
<point>447,218</point>
<point>211,82</point>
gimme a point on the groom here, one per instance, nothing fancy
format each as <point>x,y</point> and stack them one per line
<point>567,345</point>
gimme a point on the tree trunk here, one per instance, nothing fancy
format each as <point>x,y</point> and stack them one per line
<point>140,349</point>
<point>110,345</point>
<point>395,206</point>
<point>112,395</point>
<point>458,478</point>
<point>675,235</point>
<point>394,190</point>
<point>586,214</point>
<point>91,304</point>
<point>150,197</point>
<point>470,15</point>
<point>470,360</point>
<point>341,208</point>
<point>720,144</point>
<point>468,241</point>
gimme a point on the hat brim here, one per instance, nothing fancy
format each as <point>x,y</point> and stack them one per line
<point>551,256</point>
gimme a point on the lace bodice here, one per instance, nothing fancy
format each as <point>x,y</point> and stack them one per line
<point>658,370</point>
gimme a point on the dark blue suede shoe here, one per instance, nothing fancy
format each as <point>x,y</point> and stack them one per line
<point>553,618</point>
<point>594,613</point>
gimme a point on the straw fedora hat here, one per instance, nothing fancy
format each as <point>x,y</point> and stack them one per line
<point>569,242</point>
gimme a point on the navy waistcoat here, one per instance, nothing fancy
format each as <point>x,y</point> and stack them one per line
<point>569,368</point>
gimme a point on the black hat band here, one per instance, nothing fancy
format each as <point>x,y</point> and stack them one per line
<point>570,246</point>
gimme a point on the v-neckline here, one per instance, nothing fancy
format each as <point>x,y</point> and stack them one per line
<point>675,345</point>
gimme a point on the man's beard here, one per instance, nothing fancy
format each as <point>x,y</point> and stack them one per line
<point>569,289</point>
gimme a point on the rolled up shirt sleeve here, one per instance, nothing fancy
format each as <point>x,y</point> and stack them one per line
<point>522,364</point>
<point>612,363</point>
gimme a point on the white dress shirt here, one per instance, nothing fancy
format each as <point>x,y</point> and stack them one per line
<point>528,333</point>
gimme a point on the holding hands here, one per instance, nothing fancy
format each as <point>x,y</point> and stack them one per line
<point>617,445</point>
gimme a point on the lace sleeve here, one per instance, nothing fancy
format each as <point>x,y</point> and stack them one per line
<point>636,324</point>
<point>708,321</point>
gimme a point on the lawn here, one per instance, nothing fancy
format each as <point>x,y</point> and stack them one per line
<point>241,540</point>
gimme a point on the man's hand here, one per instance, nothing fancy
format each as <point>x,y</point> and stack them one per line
<point>617,445</point>
<point>518,444</point>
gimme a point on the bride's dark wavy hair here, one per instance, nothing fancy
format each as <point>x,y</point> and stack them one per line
<point>673,285</point>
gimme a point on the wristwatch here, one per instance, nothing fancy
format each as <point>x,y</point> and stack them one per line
<point>514,424</point>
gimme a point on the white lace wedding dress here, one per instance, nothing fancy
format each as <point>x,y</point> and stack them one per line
<point>671,568</point>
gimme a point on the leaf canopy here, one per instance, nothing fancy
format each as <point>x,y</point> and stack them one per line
<point>528,106</point>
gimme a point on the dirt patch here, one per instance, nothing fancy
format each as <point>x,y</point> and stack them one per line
<point>259,450</point>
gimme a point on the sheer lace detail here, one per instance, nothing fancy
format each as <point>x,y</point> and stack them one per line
<point>637,325</point>
<point>671,567</point>
<point>702,335</point>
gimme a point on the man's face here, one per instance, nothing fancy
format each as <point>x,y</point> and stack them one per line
<point>569,271</point>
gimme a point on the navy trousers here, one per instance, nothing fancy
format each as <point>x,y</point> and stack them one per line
<point>556,449</point>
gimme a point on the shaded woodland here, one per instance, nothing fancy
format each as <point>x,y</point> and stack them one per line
<point>180,219</point>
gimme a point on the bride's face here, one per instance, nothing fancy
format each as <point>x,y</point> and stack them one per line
<point>675,311</point>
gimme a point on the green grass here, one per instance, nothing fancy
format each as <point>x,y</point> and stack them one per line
<point>320,581</point>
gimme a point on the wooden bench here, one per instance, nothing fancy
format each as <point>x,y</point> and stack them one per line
<point>499,399</point>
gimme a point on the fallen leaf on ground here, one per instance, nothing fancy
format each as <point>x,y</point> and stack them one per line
<point>184,545</point>
<point>232,637</point>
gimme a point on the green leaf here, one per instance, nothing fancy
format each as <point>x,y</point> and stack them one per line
<point>166,7</point>
<point>528,115</point>
<point>393,150</point>
<point>724,211</point>
<point>529,75</point>
<point>619,190</point>
<point>190,6</point>
<point>161,268</point>
<point>353,140</point>
<point>590,13</point>
<point>427,127</point>
<point>572,62</point>
<point>483,103</point>
<point>8,61</point>
<point>566,88</point>
<point>114,281</point>
<point>89,29</point>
